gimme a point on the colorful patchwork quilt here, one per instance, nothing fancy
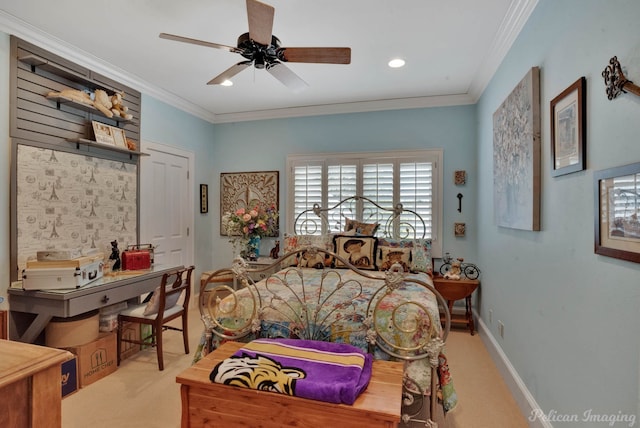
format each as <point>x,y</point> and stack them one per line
<point>331,306</point>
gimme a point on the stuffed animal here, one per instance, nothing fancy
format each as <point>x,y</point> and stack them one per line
<point>131,145</point>
<point>76,95</point>
<point>454,271</point>
<point>117,108</point>
<point>102,102</point>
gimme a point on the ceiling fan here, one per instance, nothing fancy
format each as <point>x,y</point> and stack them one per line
<point>262,49</point>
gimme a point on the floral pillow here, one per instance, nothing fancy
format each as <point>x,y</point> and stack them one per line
<point>360,228</point>
<point>421,256</point>
<point>360,251</point>
<point>390,255</point>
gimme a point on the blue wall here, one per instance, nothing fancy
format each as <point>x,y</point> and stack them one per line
<point>570,316</point>
<point>264,146</point>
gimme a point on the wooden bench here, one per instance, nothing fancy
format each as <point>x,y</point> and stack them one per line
<point>207,404</point>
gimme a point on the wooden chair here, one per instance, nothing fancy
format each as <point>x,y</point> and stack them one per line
<point>159,310</point>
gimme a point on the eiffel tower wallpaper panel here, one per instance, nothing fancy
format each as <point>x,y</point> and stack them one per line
<point>62,202</point>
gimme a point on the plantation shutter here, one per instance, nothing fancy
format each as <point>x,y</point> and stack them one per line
<point>386,178</point>
<point>307,186</point>
<point>416,194</point>
<point>341,183</point>
<point>377,185</point>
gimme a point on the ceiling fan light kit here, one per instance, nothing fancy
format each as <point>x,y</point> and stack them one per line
<point>263,50</point>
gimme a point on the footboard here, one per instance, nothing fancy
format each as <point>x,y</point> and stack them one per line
<point>392,314</point>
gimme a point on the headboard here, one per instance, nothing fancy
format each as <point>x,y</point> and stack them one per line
<point>397,222</point>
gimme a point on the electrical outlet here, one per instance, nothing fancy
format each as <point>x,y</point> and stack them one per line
<point>490,316</point>
<point>501,329</point>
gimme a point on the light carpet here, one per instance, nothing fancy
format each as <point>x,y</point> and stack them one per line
<point>139,395</point>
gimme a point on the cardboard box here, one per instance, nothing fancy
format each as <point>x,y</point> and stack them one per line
<point>130,331</point>
<point>96,359</point>
<point>69,376</point>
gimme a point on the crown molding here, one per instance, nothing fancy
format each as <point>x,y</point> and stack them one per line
<point>513,22</point>
<point>344,108</point>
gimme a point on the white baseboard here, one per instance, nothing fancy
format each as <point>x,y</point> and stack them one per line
<point>527,404</point>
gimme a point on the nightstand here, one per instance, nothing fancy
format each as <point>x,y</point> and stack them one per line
<point>262,263</point>
<point>452,290</point>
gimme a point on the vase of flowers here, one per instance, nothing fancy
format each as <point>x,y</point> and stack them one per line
<point>248,226</point>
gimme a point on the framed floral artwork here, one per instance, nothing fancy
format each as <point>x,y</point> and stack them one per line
<point>248,190</point>
<point>568,130</point>
<point>516,156</point>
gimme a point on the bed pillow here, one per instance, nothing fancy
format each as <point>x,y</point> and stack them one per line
<point>360,251</point>
<point>295,242</point>
<point>421,260</point>
<point>318,260</point>
<point>360,228</point>
<point>154,303</point>
<point>387,256</point>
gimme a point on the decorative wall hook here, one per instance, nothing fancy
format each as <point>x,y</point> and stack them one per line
<point>616,81</point>
<point>459,196</point>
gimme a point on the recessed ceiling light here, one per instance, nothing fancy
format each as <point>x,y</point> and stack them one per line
<point>227,83</point>
<point>396,63</point>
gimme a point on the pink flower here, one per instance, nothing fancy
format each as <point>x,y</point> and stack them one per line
<point>253,213</point>
<point>240,211</point>
<point>246,217</point>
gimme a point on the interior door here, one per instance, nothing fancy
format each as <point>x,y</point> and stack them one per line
<point>166,208</point>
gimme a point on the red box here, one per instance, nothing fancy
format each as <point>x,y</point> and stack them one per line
<point>136,259</point>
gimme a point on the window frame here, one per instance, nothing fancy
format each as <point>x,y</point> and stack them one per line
<point>435,156</point>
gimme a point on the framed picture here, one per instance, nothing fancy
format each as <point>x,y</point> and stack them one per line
<point>568,130</point>
<point>119,137</point>
<point>103,133</point>
<point>617,212</point>
<point>204,198</point>
<point>516,156</point>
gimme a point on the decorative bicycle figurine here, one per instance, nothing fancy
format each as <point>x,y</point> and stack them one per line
<point>469,270</point>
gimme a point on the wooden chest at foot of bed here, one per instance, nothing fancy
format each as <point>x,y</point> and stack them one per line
<point>207,404</point>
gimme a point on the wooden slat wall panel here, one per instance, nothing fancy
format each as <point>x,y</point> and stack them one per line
<point>42,120</point>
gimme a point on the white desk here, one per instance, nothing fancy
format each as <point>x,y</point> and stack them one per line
<point>31,310</point>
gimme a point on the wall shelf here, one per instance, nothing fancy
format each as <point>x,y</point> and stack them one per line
<point>82,106</point>
<point>91,143</point>
<point>51,67</point>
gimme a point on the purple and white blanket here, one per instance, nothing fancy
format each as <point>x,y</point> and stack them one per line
<point>324,371</point>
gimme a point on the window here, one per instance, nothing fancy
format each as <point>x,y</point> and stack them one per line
<point>413,179</point>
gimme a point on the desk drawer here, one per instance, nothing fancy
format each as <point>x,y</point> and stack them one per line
<point>100,299</point>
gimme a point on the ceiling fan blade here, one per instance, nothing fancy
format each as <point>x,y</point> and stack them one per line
<point>198,42</point>
<point>287,77</point>
<point>316,55</point>
<point>229,73</point>
<point>260,21</point>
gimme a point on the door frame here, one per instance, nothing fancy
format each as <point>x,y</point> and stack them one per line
<point>148,147</point>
